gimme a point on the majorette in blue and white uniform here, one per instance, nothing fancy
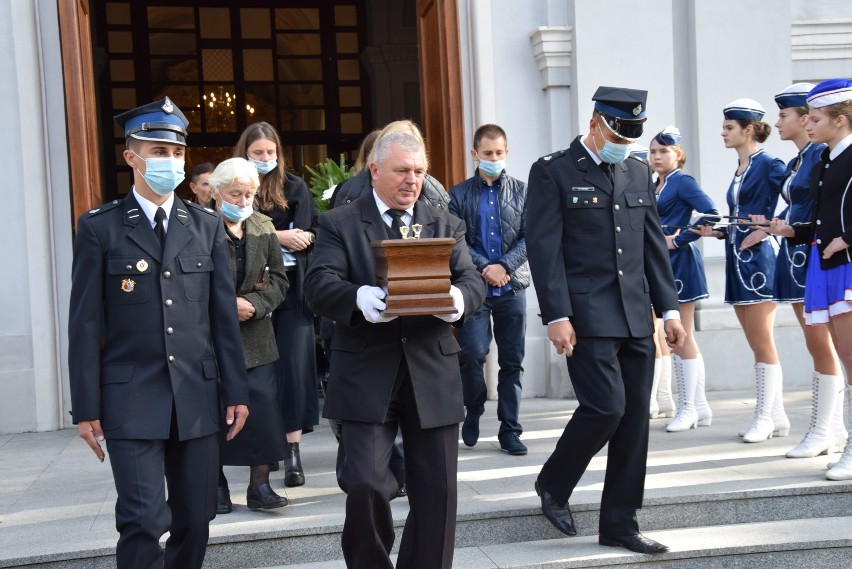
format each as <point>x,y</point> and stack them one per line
<point>750,274</point>
<point>677,198</point>
<point>791,265</point>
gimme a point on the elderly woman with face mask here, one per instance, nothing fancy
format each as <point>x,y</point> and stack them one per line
<point>260,283</point>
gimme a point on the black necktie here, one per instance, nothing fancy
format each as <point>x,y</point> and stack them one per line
<point>396,215</point>
<point>159,229</point>
<point>607,168</point>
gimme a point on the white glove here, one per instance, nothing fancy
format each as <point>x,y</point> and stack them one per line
<point>458,304</point>
<point>371,302</point>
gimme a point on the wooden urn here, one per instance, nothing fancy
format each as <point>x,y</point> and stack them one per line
<point>416,273</point>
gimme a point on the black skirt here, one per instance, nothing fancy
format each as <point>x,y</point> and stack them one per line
<point>261,441</point>
<point>296,369</point>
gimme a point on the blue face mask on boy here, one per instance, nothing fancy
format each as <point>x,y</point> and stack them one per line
<point>491,169</point>
<point>163,175</point>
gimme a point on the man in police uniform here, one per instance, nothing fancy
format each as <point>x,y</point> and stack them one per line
<point>599,262</point>
<point>154,343</point>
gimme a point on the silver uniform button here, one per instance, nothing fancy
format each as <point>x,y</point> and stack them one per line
<point>617,207</point>
<point>620,273</point>
<point>404,340</point>
<point>171,359</point>
<point>819,222</point>
<point>170,330</point>
<point>819,241</point>
<point>167,275</point>
<point>618,230</point>
<point>640,200</point>
<point>198,265</point>
<point>620,251</point>
<point>128,267</point>
<point>168,302</point>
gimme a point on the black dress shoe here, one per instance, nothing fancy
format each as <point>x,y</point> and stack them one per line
<point>402,492</point>
<point>224,505</point>
<point>264,497</point>
<point>559,516</point>
<point>638,543</point>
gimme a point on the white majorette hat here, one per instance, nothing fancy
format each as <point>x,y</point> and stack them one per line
<point>795,95</point>
<point>744,109</point>
<point>829,92</point>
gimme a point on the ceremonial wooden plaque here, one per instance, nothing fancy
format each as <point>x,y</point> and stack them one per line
<point>416,273</point>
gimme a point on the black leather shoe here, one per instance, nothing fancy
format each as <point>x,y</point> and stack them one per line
<point>638,543</point>
<point>559,516</point>
<point>470,427</point>
<point>511,443</point>
<point>224,505</point>
<point>293,474</point>
<point>264,497</point>
<point>402,492</point>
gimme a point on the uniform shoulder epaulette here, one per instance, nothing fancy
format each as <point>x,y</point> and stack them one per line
<point>551,156</point>
<point>199,207</point>
<point>103,207</point>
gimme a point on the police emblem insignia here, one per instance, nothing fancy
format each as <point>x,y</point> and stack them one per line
<point>168,107</point>
<point>142,265</point>
<point>547,158</point>
<point>637,110</point>
<point>96,210</point>
<point>594,200</point>
<point>576,199</point>
<point>127,285</point>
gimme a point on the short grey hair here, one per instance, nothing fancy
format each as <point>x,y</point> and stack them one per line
<point>231,171</point>
<point>404,140</point>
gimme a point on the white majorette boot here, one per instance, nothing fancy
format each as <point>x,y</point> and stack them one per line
<point>686,375</point>
<point>768,380</point>
<point>779,416</point>
<point>664,389</point>
<point>819,439</point>
<point>837,426</point>
<point>705,415</point>
<point>654,408</point>
<point>842,469</point>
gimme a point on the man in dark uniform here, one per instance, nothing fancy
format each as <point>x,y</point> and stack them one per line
<point>388,371</point>
<point>154,344</point>
<point>599,262</point>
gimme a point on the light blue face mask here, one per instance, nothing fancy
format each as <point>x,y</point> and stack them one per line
<point>492,169</point>
<point>235,213</point>
<point>611,152</point>
<point>163,175</point>
<point>264,167</point>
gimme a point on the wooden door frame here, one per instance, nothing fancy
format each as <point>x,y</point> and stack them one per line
<point>441,89</point>
<point>80,105</point>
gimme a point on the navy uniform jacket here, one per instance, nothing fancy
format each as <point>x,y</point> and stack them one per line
<point>597,252</point>
<point>365,357</point>
<point>151,329</point>
<point>831,190</point>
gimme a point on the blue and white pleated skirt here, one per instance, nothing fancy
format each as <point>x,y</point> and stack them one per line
<point>829,292</point>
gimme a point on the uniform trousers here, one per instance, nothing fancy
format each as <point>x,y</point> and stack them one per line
<point>142,513</point>
<point>612,380</point>
<point>431,457</point>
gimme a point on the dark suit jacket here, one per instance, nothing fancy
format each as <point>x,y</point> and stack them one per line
<point>596,249</point>
<point>153,328</point>
<point>366,357</point>
<point>261,250</point>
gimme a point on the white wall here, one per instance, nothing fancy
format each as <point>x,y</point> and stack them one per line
<point>35,233</point>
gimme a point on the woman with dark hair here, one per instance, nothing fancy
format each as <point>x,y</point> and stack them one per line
<point>750,259</point>
<point>260,284</point>
<point>828,295</point>
<point>678,196</point>
<point>826,426</point>
<point>286,199</point>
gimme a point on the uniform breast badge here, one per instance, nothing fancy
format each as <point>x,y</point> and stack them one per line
<point>127,285</point>
<point>142,265</point>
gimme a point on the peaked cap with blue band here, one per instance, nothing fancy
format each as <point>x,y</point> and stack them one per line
<point>744,109</point>
<point>159,121</point>
<point>829,92</point>
<point>796,95</point>
<point>623,110</point>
